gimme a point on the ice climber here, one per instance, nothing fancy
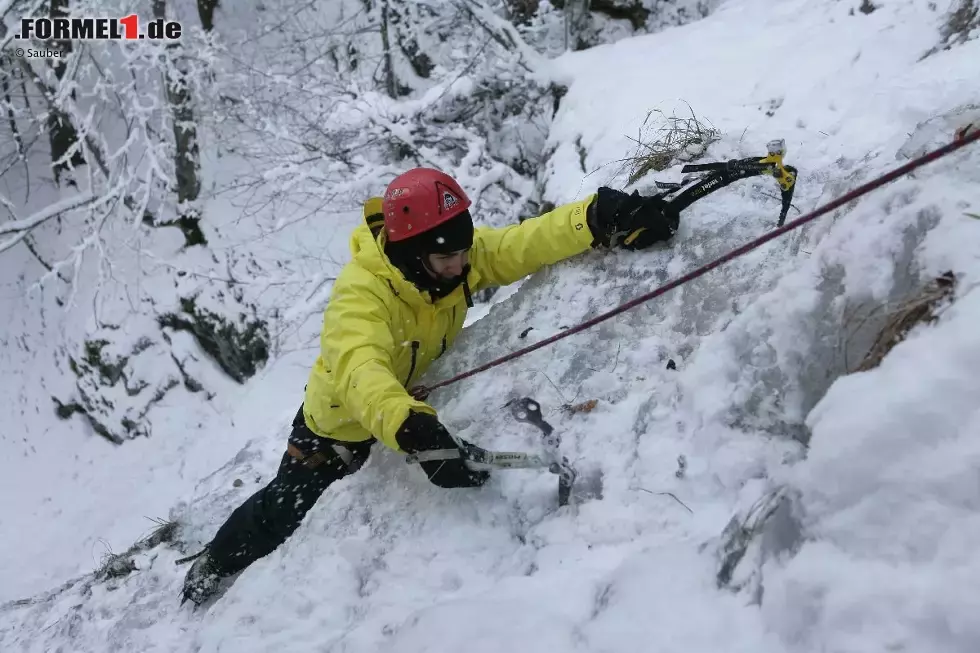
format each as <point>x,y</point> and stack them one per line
<point>395,308</point>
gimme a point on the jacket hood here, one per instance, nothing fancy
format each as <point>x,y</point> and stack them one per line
<point>368,253</point>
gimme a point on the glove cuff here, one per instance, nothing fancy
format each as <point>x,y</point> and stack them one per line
<point>423,432</point>
<point>599,236</point>
<point>602,214</point>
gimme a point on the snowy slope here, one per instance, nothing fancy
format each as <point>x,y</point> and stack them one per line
<point>67,479</point>
<point>885,499</point>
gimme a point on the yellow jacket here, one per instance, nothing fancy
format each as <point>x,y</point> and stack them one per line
<point>380,332</point>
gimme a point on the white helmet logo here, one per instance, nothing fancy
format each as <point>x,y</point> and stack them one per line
<point>449,200</point>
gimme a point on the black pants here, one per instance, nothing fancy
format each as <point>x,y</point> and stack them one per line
<point>269,516</point>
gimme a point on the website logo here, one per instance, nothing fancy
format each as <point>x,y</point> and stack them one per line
<point>127,28</point>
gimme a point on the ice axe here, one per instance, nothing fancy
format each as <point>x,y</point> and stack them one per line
<point>527,410</point>
<point>480,459</point>
<point>588,486</point>
<point>720,174</point>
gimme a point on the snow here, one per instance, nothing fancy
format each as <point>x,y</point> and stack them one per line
<point>886,492</point>
<point>894,528</point>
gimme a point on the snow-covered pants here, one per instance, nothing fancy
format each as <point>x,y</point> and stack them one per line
<point>269,516</point>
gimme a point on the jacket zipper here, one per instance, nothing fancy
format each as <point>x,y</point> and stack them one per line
<point>411,370</point>
<point>452,323</point>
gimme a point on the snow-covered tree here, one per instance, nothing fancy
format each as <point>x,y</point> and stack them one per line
<point>122,172</point>
<point>105,181</point>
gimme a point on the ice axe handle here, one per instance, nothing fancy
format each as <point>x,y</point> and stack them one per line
<point>480,459</point>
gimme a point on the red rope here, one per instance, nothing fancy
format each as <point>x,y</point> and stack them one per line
<point>964,138</point>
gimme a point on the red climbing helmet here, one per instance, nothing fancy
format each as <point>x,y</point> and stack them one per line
<point>420,200</point>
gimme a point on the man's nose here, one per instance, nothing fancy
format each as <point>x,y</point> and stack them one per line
<point>456,266</point>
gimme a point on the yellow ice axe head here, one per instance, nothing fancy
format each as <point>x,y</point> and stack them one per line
<point>784,177</point>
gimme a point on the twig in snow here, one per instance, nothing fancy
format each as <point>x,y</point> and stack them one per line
<point>774,197</point>
<point>678,139</point>
<point>669,494</point>
<point>560,395</point>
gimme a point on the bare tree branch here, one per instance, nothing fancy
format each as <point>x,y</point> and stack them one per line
<point>24,226</point>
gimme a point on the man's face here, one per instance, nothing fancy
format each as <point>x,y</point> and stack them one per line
<point>448,266</point>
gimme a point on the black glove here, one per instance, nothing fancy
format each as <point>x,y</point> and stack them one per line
<point>630,221</point>
<point>423,432</point>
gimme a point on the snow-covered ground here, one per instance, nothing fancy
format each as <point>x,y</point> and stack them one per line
<point>881,512</point>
